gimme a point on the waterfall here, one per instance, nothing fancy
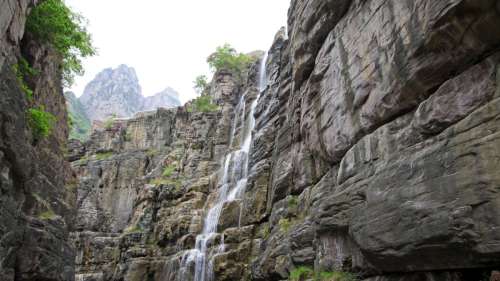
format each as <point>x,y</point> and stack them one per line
<point>232,187</point>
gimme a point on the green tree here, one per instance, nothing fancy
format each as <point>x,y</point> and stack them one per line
<point>203,103</point>
<point>201,84</point>
<point>52,22</point>
<point>226,57</point>
<point>41,122</point>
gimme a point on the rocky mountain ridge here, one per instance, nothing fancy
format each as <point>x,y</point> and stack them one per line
<point>113,93</point>
<point>118,92</point>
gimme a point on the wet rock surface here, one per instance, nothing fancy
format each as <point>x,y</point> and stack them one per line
<point>375,154</point>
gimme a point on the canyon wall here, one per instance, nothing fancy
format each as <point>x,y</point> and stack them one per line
<point>36,208</point>
<point>375,151</point>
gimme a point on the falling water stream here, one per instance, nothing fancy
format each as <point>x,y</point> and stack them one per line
<point>232,187</point>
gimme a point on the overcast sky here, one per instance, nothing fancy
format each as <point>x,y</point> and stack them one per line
<point>167,41</point>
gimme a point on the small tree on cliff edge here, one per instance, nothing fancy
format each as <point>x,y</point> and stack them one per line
<point>226,57</point>
<point>52,22</point>
<point>201,84</point>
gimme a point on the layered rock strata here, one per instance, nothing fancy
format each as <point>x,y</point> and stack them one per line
<point>375,152</point>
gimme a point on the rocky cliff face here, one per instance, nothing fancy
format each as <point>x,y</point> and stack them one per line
<point>375,151</point>
<point>118,92</point>
<point>36,209</point>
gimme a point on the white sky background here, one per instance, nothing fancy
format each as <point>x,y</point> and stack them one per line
<point>168,41</point>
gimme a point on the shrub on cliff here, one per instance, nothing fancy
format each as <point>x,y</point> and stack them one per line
<point>52,22</point>
<point>23,71</point>
<point>41,122</point>
<point>201,84</point>
<point>226,57</point>
<point>203,104</point>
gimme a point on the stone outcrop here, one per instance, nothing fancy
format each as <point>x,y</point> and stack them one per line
<point>36,208</point>
<point>375,155</point>
<point>117,92</point>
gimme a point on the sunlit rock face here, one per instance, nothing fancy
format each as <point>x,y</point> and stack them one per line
<point>375,151</point>
<point>117,92</point>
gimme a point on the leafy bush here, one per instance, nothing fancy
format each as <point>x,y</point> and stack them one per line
<point>80,126</point>
<point>226,57</point>
<point>52,22</point>
<point>169,170</point>
<point>132,229</point>
<point>177,183</point>
<point>301,273</point>
<point>108,123</point>
<point>152,152</point>
<point>293,201</point>
<point>304,273</point>
<point>201,84</point>
<point>284,224</point>
<point>23,71</point>
<point>41,122</point>
<point>103,155</point>
<point>47,215</point>
<point>203,104</point>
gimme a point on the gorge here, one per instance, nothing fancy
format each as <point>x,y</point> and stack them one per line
<point>363,145</point>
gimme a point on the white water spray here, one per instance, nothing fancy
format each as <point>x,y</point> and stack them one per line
<point>232,187</point>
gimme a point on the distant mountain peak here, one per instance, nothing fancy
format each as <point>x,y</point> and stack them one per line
<point>166,98</point>
<point>116,91</point>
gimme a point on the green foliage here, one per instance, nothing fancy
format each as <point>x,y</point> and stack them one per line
<point>169,170</point>
<point>266,232</point>
<point>301,273</point>
<point>108,123</point>
<point>47,215</point>
<point>304,273</point>
<point>82,161</point>
<point>203,104</point>
<point>201,84</point>
<point>103,155</point>
<point>128,136</point>
<point>226,57</point>
<point>80,123</point>
<point>41,122</point>
<point>132,229</point>
<point>167,182</point>
<point>293,201</point>
<point>151,152</point>
<point>284,224</point>
<point>80,127</point>
<point>23,71</point>
<point>52,22</point>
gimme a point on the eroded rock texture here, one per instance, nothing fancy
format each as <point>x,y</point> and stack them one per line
<point>376,151</point>
<point>36,209</point>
